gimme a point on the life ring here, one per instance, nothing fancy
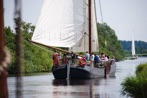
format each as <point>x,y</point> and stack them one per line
<point>83,62</point>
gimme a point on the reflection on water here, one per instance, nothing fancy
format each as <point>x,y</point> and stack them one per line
<point>45,86</point>
<point>59,82</point>
<point>82,88</point>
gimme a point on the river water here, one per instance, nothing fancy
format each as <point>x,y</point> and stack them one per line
<point>45,86</point>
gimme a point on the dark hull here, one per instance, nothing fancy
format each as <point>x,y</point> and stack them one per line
<point>75,73</point>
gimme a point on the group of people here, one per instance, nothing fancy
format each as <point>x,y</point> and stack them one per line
<point>94,59</point>
<point>58,57</point>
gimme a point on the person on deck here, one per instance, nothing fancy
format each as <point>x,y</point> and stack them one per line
<point>60,55</point>
<point>92,60</point>
<point>103,57</point>
<point>73,57</point>
<point>55,59</point>
<point>112,60</point>
<point>87,56</point>
<point>64,58</point>
<point>108,66</point>
<point>96,60</point>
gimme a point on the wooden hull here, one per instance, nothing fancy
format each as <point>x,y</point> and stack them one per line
<point>134,57</point>
<point>75,73</point>
<point>100,72</point>
<point>82,73</point>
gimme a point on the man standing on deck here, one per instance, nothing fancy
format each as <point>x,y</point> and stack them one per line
<point>73,57</point>
<point>92,60</point>
<point>96,60</point>
<point>87,56</point>
<point>55,59</point>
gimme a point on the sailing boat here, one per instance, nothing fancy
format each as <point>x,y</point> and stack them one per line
<point>71,24</point>
<point>134,55</point>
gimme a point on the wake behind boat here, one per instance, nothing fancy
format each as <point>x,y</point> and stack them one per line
<point>71,24</point>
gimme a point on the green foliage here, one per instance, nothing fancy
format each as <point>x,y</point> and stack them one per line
<point>141,68</point>
<point>35,59</point>
<point>136,86</point>
<point>109,43</point>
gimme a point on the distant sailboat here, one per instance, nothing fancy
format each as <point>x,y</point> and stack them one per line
<point>134,55</point>
<point>71,24</point>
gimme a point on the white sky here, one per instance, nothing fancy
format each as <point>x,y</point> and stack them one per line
<point>121,15</point>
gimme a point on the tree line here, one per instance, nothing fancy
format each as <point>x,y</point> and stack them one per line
<point>140,47</point>
<point>109,43</point>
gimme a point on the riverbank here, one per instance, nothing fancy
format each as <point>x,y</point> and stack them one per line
<point>136,86</point>
<point>139,55</point>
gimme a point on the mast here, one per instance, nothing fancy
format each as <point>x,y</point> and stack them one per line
<point>89,8</point>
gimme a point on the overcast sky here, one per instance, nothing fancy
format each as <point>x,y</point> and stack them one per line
<point>121,15</point>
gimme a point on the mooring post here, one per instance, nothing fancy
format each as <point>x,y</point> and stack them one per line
<point>105,73</point>
<point>19,49</point>
<point>68,70</point>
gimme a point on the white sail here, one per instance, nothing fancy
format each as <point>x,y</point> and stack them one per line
<point>133,45</point>
<point>94,35</point>
<point>64,23</point>
<point>83,46</point>
<point>61,23</point>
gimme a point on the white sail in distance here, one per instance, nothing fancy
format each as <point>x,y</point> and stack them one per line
<point>133,45</point>
<point>63,23</point>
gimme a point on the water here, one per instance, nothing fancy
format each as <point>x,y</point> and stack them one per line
<point>45,86</point>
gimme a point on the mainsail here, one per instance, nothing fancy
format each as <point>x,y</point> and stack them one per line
<point>64,23</point>
<point>84,44</point>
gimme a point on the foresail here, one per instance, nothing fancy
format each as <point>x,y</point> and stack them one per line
<point>83,45</point>
<point>61,23</point>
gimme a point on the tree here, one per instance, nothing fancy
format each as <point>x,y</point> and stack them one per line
<point>36,59</point>
<point>109,43</point>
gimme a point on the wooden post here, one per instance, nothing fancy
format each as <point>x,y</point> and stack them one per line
<point>3,73</point>
<point>19,49</point>
<point>2,37</point>
<point>105,73</point>
<point>68,70</point>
